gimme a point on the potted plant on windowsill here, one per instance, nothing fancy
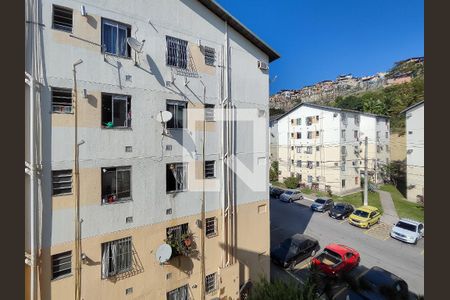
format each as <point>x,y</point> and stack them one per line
<point>181,244</point>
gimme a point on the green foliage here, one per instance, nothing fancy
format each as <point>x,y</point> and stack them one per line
<point>273,172</point>
<point>416,69</point>
<point>349,102</point>
<point>291,182</point>
<point>279,290</point>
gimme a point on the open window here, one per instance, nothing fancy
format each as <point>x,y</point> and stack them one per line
<point>116,111</point>
<point>181,293</point>
<point>116,184</point>
<point>178,110</point>
<point>114,38</point>
<point>176,177</point>
<point>175,236</point>
<point>116,257</point>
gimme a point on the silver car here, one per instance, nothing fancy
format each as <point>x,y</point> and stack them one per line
<point>408,231</point>
<point>291,196</point>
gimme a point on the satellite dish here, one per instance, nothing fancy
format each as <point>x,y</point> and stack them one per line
<point>163,253</point>
<point>164,116</point>
<point>135,44</point>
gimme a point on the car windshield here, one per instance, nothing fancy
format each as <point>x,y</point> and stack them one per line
<point>286,244</point>
<point>361,213</point>
<point>339,207</point>
<point>288,192</point>
<point>406,226</point>
<point>320,201</point>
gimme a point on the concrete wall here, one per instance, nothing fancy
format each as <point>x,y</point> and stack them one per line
<point>415,167</point>
<point>145,83</point>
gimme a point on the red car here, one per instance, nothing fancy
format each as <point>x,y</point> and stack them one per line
<point>336,259</point>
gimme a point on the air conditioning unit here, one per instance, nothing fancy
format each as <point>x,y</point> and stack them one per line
<point>262,65</point>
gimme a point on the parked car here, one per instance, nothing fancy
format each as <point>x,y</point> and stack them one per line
<point>408,231</point>
<point>365,216</point>
<point>322,204</point>
<point>336,259</point>
<point>341,210</point>
<point>276,192</point>
<point>294,250</point>
<point>291,196</point>
<point>377,283</point>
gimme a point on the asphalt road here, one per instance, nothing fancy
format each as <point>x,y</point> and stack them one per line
<point>375,245</point>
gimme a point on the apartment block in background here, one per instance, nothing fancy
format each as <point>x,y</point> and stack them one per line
<point>415,149</point>
<point>324,146</point>
<point>141,182</point>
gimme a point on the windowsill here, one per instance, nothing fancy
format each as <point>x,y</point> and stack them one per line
<point>62,277</point>
<point>213,177</point>
<point>65,194</point>
<point>118,56</point>
<point>62,30</point>
<point>62,113</point>
<point>175,192</point>
<point>117,202</point>
<point>212,235</point>
<point>119,128</point>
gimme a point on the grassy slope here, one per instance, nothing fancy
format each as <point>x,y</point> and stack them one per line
<point>405,209</point>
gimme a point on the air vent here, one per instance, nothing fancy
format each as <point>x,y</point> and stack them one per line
<point>409,151</point>
<point>168,211</point>
<point>129,220</point>
<point>128,77</point>
<point>262,65</point>
<point>128,149</point>
<point>168,276</point>
<point>168,147</point>
<point>129,291</point>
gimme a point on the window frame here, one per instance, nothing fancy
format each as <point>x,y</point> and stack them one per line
<point>210,59</point>
<point>214,225</point>
<point>53,183</point>
<point>104,198</point>
<point>177,292</point>
<point>213,288</point>
<point>128,110</point>
<point>60,256</point>
<point>175,116</point>
<point>53,18</point>
<point>214,169</point>
<point>178,61</point>
<point>183,165</point>
<point>61,90</point>
<point>120,252</point>
<point>118,25</point>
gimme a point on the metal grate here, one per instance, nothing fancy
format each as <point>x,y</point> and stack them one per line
<point>61,264</point>
<point>116,257</point>
<point>211,227</point>
<point>210,283</point>
<point>210,54</point>
<point>299,163</point>
<point>209,168</point>
<point>62,182</point>
<point>209,112</point>
<point>61,100</point>
<point>176,52</point>
<point>62,18</point>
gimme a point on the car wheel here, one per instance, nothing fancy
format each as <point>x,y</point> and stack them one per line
<point>415,241</point>
<point>378,221</point>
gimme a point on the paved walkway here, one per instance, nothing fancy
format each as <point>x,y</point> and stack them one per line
<point>390,215</point>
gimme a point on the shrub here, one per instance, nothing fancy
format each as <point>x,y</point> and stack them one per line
<point>291,182</point>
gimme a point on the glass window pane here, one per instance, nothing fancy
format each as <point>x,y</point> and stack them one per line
<point>110,38</point>
<point>120,114</point>
<point>123,184</point>
<point>122,42</point>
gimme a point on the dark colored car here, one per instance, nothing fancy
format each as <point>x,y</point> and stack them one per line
<point>341,211</point>
<point>322,204</point>
<point>377,283</point>
<point>276,192</point>
<point>294,250</point>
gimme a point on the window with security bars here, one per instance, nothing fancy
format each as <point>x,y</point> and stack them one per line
<point>62,18</point>
<point>299,164</point>
<point>210,169</point>
<point>181,293</point>
<point>176,177</point>
<point>210,56</point>
<point>116,257</point>
<point>209,113</point>
<point>210,283</point>
<point>116,184</point>
<point>308,150</point>
<point>178,110</point>
<point>211,226</point>
<point>176,55</point>
<point>61,100</point>
<point>61,264</point>
<point>61,182</point>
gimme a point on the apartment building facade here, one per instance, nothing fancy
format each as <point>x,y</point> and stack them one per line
<point>324,146</point>
<point>415,152</point>
<point>138,183</point>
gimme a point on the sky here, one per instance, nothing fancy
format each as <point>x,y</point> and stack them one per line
<point>321,39</point>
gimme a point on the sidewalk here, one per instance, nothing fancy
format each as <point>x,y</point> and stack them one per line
<point>390,215</point>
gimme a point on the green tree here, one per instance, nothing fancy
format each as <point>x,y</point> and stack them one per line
<point>291,182</point>
<point>273,172</point>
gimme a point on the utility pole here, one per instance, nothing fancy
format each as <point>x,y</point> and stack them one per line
<point>366,179</point>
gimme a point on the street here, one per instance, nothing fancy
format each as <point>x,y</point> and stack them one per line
<point>375,245</point>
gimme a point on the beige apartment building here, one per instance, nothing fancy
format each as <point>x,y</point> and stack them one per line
<point>324,146</point>
<point>111,184</point>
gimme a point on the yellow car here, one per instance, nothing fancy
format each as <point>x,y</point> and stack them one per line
<point>365,216</point>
